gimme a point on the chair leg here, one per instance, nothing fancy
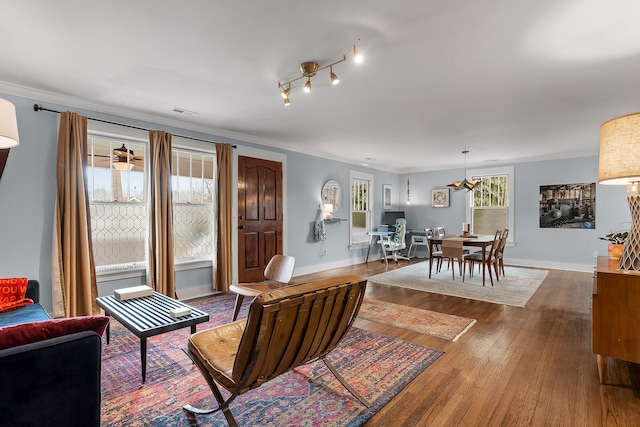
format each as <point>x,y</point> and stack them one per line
<point>236,309</point>
<point>346,385</point>
<point>223,405</point>
<point>490,274</point>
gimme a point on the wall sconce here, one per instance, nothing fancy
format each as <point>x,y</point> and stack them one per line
<point>619,164</point>
<point>310,69</point>
<point>8,125</point>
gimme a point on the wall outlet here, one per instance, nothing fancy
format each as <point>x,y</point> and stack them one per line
<point>595,254</point>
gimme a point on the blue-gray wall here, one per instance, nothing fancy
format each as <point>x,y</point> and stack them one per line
<point>570,249</point>
<point>27,194</point>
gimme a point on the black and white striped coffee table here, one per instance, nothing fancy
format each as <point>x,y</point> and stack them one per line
<point>149,316</point>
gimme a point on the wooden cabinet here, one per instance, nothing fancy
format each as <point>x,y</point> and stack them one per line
<point>616,314</point>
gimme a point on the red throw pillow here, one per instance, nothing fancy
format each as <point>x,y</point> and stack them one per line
<point>12,291</point>
<point>26,333</point>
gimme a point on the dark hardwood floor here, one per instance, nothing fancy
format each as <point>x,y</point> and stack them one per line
<point>528,366</point>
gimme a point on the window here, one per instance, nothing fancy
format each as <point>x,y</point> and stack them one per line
<point>193,190</point>
<point>360,208</point>
<point>490,202</point>
<point>116,187</point>
<point>117,184</point>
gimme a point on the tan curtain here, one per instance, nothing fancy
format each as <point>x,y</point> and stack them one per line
<point>73,269</point>
<point>160,275</point>
<point>223,265</point>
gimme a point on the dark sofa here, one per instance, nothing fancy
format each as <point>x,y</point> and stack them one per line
<point>53,382</point>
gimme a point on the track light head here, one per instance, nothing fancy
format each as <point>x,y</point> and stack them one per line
<point>285,93</point>
<point>334,78</point>
<point>287,102</point>
<point>357,56</point>
<point>307,86</point>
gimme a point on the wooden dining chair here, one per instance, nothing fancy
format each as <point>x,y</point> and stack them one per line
<point>500,250</point>
<point>452,250</point>
<point>490,259</point>
<point>277,272</point>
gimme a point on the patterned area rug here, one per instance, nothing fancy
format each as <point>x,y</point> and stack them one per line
<point>515,288</point>
<point>377,366</point>
<point>440,325</point>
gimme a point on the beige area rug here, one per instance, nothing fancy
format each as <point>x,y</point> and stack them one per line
<point>515,288</point>
<point>440,325</point>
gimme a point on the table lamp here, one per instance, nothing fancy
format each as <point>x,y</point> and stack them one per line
<point>619,164</point>
<point>8,125</point>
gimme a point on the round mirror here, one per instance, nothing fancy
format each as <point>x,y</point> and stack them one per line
<point>331,196</point>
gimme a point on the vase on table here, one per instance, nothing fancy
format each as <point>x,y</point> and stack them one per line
<point>615,250</point>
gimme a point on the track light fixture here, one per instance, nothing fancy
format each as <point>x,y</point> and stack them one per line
<point>308,70</point>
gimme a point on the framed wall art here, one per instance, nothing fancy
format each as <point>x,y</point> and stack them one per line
<point>568,206</point>
<point>386,196</point>
<point>440,198</point>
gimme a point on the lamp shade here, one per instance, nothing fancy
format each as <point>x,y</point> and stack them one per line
<point>8,125</point>
<point>123,165</point>
<point>619,162</point>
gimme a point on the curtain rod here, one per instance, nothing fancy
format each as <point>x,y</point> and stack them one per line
<point>36,107</point>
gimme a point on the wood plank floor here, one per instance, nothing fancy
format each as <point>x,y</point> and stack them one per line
<point>516,366</point>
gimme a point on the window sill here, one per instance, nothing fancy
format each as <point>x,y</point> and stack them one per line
<point>128,271</point>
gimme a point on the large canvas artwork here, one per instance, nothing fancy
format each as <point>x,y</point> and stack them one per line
<point>568,206</point>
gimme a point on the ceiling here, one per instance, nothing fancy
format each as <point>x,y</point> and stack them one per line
<point>510,80</point>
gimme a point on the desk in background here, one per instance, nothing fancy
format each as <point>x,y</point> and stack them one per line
<point>374,236</point>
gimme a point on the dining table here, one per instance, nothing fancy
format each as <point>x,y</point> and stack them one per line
<point>482,241</point>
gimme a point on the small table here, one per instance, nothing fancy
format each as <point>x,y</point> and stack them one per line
<point>481,241</point>
<point>149,316</point>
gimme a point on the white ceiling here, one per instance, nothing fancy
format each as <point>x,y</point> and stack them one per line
<point>510,80</point>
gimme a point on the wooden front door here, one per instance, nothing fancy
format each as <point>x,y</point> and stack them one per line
<point>260,216</point>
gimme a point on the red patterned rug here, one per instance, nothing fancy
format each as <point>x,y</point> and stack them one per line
<point>375,365</point>
<point>445,326</point>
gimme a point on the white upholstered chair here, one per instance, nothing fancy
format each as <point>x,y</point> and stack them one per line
<point>279,270</point>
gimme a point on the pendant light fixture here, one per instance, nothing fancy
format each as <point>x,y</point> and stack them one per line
<point>408,192</point>
<point>464,184</point>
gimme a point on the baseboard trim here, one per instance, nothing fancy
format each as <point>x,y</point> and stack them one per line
<point>301,271</point>
<point>536,263</point>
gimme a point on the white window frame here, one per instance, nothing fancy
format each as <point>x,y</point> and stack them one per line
<point>196,262</point>
<point>500,170</point>
<point>113,131</point>
<point>363,176</point>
